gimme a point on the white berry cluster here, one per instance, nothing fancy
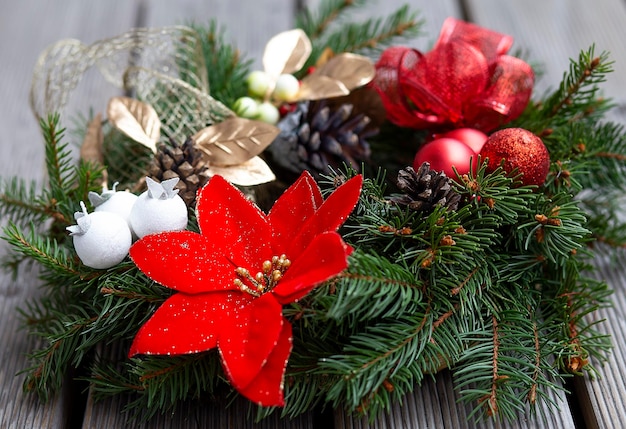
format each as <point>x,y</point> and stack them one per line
<point>103,238</point>
<point>264,93</point>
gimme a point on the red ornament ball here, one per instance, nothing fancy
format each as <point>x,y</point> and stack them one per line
<point>472,137</point>
<point>520,149</point>
<point>445,153</point>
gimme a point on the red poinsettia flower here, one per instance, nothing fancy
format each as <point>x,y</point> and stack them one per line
<point>466,80</point>
<point>233,278</point>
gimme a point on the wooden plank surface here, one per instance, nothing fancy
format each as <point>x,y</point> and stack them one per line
<point>550,31</point>
<point>26,28</point>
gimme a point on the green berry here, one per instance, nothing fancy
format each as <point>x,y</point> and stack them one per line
<point>268,113</point>
<point>246,107</point>
<point>287,87</point>
<point>259,83</point>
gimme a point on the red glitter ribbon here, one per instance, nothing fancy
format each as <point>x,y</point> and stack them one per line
<point>466,80</point>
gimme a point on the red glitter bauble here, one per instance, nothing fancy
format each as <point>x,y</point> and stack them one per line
<point>520,149</point>
<point>445,153</point>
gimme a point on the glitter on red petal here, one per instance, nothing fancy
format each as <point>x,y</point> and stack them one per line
<point>182,260</point>
<point>233,222</point>
<point>249,336</point>
<point>324,258</point>
<point>329,217</point>
<point>267,388</point>
<point>184,324</point>
<point>294,207</point>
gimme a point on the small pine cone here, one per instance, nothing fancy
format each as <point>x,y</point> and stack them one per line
<point>314,137</point>
<point>425,188</point>
<point>182,161</point>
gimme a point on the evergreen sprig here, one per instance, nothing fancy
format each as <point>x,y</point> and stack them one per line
<point>226,69</point>
<point>331,30</point>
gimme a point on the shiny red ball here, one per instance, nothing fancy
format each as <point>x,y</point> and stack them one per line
<point>520,149</point>
<point>472,137</point>
<point>445,153</point>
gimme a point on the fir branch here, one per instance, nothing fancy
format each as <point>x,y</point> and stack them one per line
<point>225,68</point>
<point>43,250</point>
<point>369,36</point>
<point>589,70</point>
<point>576,98</point>
<point>328,11</point>
<point>371,278</point>
<point>375,354</point>
<point>19,201</point>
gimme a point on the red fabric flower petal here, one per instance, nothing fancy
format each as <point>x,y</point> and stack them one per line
<point>324,258</point>
<point>298,203</point>
<point>233,222</point>
<point>183,261</point>
<point>267,388</point>
<point>249,336</point>
<point>329,217</point>
<point>184,324</point>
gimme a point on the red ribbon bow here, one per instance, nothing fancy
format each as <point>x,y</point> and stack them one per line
<point>465,81</point>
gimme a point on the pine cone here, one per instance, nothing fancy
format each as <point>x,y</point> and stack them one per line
<point>314,137</point>
<point>425,189</point>
<point>182,161</point>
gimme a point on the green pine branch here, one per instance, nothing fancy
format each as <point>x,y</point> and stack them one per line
<point>331,29</point>
<point>226,69</point>
<point>315,23</point>
<point>576,99</point>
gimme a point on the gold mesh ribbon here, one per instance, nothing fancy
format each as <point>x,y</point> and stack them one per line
<point>163,67</point>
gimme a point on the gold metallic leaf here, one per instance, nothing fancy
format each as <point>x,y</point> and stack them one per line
<point>286,52</point>
<point>317,87</point>
<point>137,120</point>
<point>252,172</point>
<point>91,149</point>
<point>234,141</point>
<point>351,69</point>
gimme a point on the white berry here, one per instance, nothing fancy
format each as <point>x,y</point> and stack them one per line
<point>259,84</point>
<point>286,89</point>
<point>118,202</point>
<point>159,209</point>
<point>268,113</point>
<point>101,239</point>
<point>246,107</point>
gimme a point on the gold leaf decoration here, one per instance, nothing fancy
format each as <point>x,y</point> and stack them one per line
<point>350,69</point>
<point>249,173</point>
<point>234,141</point>
<point>286,52</point>
<point>137,120</point>
<point>317,87</point>
<point>91,149</point>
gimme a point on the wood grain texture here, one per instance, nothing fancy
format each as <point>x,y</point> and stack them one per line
<point>248,25</point>
<point>26,28</point>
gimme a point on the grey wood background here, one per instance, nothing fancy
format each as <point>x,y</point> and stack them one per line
<point>549,32</point>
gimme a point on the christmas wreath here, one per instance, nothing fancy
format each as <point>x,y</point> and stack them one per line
<point>331,229</point>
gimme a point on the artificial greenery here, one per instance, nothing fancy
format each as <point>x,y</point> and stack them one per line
<point>497,290</point>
